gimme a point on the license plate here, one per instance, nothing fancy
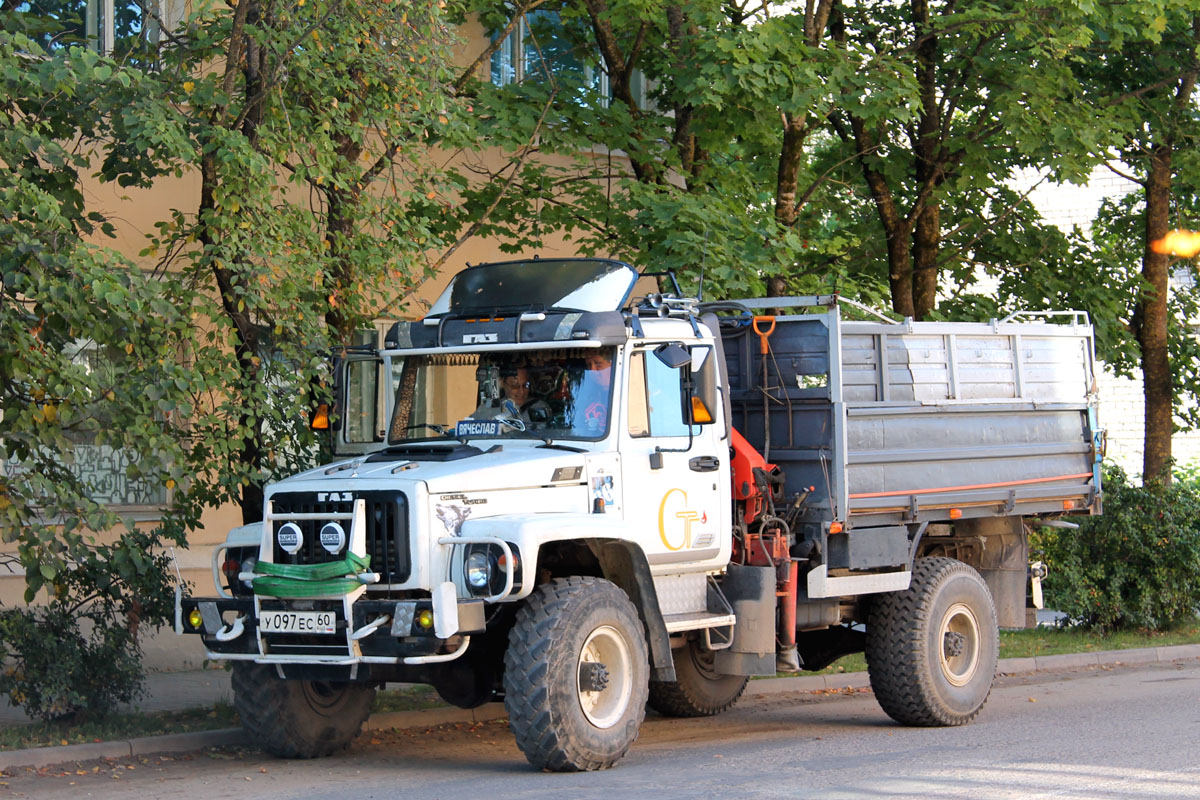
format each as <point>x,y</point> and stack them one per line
<point>297,622</point>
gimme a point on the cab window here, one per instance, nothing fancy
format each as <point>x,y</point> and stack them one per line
<point>655,398</point>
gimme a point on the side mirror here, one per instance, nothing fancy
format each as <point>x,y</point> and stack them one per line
<point>674,355</point>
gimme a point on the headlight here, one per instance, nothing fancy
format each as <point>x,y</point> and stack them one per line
<point>479,569</point>
<point>485,569</point>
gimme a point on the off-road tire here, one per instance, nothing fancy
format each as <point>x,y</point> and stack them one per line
<point>559,726</point>
<point>698,690</point>
<point>932,649</point>
<point>298,719</point>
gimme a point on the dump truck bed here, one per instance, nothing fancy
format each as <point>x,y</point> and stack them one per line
<point>886,423</point>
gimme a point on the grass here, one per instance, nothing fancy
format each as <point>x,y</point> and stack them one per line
<point>1013,644</point>
<point>1054,641</point>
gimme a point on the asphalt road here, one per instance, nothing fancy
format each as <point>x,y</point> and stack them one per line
<point>1123,732</point>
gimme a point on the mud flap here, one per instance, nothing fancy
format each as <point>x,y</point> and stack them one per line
<point>751,592</point>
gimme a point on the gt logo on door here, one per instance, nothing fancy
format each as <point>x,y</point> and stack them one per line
<point>675,520</point>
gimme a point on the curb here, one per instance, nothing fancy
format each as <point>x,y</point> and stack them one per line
<point>187,742</point>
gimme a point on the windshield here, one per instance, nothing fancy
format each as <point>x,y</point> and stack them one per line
<point>548,394</point>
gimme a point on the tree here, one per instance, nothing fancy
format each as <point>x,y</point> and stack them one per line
<point>696,158</point>
<point>826,147</point>
<point>310,130</point>
<point>309,126</point>
<point>89,363</point>
<point>1168,69</point>
<point>995,92</point>
<point>1139,76</point>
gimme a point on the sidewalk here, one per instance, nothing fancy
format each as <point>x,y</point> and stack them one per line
<point>165,691</point>
<point>174,691</point>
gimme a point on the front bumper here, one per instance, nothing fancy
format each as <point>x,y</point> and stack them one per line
<point>367,631</point>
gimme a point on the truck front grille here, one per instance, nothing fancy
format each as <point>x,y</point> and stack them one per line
<point>386,535</point>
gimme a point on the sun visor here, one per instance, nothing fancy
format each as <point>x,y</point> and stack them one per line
<point>540,285</point>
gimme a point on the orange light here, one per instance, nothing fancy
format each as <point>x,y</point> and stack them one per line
<point>835,527</point>
<point>1178,243</point>
<point>1068,505</point>
<point>700,412</point>
<point>956,513</point>
<point>320,418</point>
<point>502,562</point>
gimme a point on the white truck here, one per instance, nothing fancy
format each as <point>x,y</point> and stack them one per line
<point>584,502</point>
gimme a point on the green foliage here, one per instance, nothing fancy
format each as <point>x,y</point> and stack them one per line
<point>1135,566</point>
<point>55,671</point>
<point>197,360</point>
<point>91,360</point>
<point>689,179</point>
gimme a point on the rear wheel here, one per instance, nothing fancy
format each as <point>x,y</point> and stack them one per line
<point>932,649</point>
<point>576,675</point>
<point>295,718</point>
<point>698,689</point>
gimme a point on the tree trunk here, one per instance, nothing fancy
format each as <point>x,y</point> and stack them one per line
<point>1153,319</point>
<point>927,240</point>
<point>927,232</point>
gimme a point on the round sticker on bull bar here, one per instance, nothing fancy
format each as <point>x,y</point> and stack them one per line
<point>290,537</point>
<point>333,538</point>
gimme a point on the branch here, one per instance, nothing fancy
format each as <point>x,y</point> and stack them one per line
<point>1108,165</point>
<point>1007,212</point>
<point>516,163</point>
<point>812,187</point>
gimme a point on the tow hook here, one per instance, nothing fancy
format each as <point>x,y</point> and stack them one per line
<point>232,631</point>
<point>371,627</point>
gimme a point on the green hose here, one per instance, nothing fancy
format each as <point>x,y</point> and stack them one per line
<point>310,580</point>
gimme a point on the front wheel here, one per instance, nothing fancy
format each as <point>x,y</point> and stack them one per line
<point>296,718</point>
<point>576,674</point>
<point>698,689</point>
<point>932,649</point>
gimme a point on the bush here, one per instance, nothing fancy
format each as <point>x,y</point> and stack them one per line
<point>1137,565</point>
<point>57,671</point>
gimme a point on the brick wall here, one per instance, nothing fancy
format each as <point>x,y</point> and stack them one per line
<point>1121,406</point>
<point>1121,413</point>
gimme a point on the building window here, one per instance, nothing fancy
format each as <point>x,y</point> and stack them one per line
<point>110,27</point>
<point>105,470</point>
<point>541,43</point>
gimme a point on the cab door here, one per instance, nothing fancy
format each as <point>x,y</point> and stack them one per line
<point>675,468</point>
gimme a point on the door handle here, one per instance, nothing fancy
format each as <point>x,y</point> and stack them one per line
<point>704,464</point>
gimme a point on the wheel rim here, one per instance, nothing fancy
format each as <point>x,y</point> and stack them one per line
<point>605,646</point>
<point>958,637</point>
<point>705,662</point>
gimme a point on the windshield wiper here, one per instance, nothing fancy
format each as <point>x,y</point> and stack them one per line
<point>519,426</point>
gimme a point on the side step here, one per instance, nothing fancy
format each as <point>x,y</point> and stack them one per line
<point>696,620</point>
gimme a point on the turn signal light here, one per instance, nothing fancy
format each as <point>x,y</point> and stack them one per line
<point>1068,505</point>
<point>700,412</point>
<point>320,418</point>
<point>194,618</point>
<point>425,618</point>
<point>836,527</point>
<point>956,513</point>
